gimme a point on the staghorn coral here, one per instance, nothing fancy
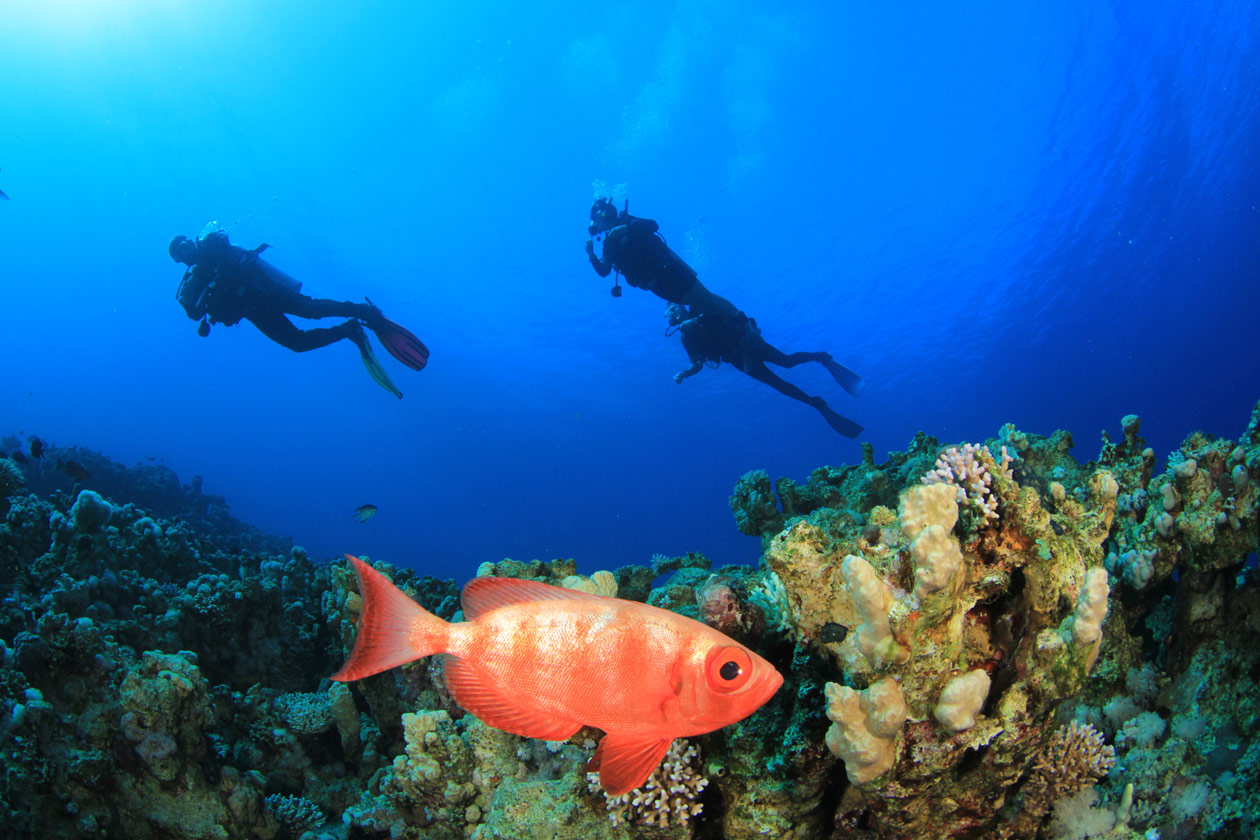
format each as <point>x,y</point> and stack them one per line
<point>668,796</point>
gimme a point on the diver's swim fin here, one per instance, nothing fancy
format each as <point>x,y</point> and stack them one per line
<point>847,379</point>
<point>841,424</point>
<point>401,343</point>
<point>373,366</point>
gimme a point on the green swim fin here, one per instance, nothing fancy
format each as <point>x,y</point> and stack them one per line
<point>374,368</point>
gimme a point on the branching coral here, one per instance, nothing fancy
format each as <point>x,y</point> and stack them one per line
<point>1073,759</point>
<point>671,793</point>
<point>971,469</point>
<point>296,813</point>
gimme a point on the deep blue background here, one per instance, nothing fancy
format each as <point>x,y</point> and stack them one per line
<point>1043,216</point>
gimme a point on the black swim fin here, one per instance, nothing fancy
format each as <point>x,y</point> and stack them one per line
<point>847,379</point>
<point>841,424</point>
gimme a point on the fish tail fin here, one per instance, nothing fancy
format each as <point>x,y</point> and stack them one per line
<point>393,629</point>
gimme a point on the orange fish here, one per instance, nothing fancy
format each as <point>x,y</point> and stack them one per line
<point>542,662</point>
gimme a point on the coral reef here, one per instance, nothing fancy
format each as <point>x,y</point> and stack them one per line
<point>981,631</point>
<point>669,797</point>
<point>11,478</point>
<point>1017,646</point>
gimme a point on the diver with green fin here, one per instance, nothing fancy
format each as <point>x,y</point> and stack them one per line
<point>225,283</point>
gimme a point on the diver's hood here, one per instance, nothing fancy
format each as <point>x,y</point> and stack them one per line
<point>603,216</point>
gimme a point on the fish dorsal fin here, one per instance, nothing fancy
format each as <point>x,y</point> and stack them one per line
<point>624,762</point>
<point>495,709</point>
<point>484,594</point>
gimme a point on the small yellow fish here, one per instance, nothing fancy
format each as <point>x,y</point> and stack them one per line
<point>364,512</point>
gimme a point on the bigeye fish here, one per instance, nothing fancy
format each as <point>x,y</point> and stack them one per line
<point>364,512</point>
<point>542,662</point>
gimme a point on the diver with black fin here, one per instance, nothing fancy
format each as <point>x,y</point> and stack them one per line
<point>713,328</point>
<point>711,341</point>
<point>225,283</point>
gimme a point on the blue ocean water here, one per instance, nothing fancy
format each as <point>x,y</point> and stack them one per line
<point>1044,215</point>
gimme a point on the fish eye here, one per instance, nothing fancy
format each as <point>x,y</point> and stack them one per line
<point>728,668</point>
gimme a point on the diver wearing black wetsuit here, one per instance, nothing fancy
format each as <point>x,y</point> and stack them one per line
<point>714,340</point>
<point>633,247</point>
<point>225,283</point>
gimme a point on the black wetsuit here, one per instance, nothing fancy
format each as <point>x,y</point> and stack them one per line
<point>634,249</point>
<point>711,339</point>
<point>227,283</point>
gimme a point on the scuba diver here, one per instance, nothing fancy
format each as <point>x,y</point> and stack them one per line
<point>712,340</point>
<point>225,283</point>
<point>634,248</point>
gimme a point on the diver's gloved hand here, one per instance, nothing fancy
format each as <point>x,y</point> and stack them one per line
<point>590,248</point>
<point>372,315</point>
<point>256,251</point>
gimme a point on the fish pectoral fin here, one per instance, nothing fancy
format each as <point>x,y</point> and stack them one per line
<point>624,762</point>
<point>493,708</point>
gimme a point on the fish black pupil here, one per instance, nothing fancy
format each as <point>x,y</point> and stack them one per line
<point>729,670</point>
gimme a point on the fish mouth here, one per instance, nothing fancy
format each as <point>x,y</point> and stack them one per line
<point>767,684</point>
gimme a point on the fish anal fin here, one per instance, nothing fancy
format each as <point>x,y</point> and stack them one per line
<point>624,762</point>
<point>484,594</point>
<point>495,709</point>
